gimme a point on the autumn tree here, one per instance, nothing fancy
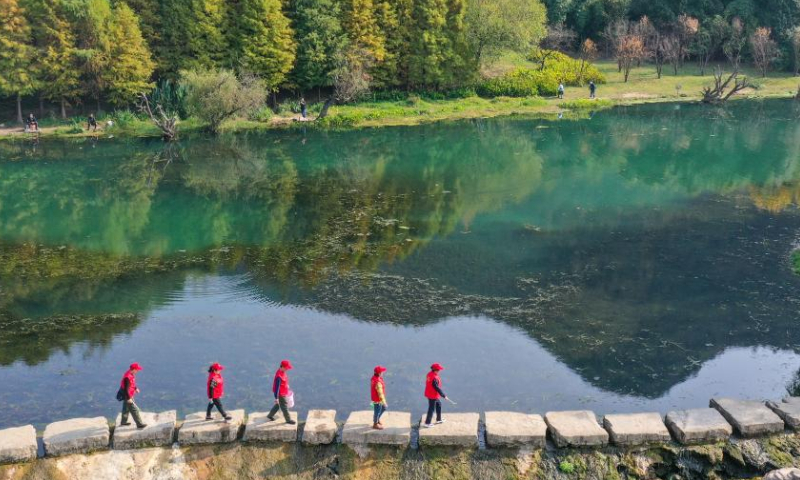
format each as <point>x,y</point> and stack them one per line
<point>587,53</point>
<point>16,53</point>
<point>764,49</point>
<point>734,43</point>
<point>685,31</point>
<point>264,41</point>
<point>129,67</point>
<point>494,26</point>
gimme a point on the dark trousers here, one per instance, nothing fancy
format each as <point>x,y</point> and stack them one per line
<point>215,402</point>
<point>378,408</point>
<point>434,405</point>
<point>283,408</point>
<point>129,407</point>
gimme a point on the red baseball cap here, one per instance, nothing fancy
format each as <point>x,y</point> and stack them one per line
<point>380,369</point>
<point>217,367</point>
<point>286,364</point>
<point>135,366</point>
<point>437,367</point>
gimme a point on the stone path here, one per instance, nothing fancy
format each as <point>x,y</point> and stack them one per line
<point>260,428</point>
<point>749,418</point>
<point>160,431</point>
<point>358,430</point>
<point>320,427</point>
<point>79,435</point>
<point>508,429</point>
<point>458,429</point>
<point>575,429</point>
<point>196,429</point>
<point>698,425</point>
<point>636,428</point>
<point>788,410</point>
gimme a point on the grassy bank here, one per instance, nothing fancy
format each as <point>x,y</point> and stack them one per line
<point>642,87</point>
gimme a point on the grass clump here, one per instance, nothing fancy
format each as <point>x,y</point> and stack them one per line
<point>586,104</point>
<point>566,467</point>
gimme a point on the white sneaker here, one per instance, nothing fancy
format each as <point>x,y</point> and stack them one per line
<point>439,421</point>
<point>427,425</point>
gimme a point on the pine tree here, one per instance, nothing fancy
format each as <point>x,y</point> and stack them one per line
<point>394,20</point>
<point>207,43</point>
<point>361,24</point>
<point>173,53</point>
<point>130,65</point>
<point>438,44</point>
<point>91,19</point>
<point>264,40</point>
<point>320,37</point>
<point>16,53</point>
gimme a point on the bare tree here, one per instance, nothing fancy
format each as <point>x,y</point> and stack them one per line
<point>671,49</point>
<point>586,53</point>
<point>685,31</point>
<point>614,34</point>
<point>735,43</point>
<point>559,39</point>
<point>764,48</point>
<point>168,124</point>
<point>631,50</point>
<point>723,90</point>
<point>709,40</point>
<point>351,79</point>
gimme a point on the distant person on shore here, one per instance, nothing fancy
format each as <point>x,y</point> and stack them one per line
<point>127,391</point>
<point>303,108</point>
<point>378,395</point>
<point>216,389</point>
<point>592,89</point>
<point>284,397</point>
<point>434,394</point>
<point>31,125</point>
<point>91,123</point>
<point>561,90</point>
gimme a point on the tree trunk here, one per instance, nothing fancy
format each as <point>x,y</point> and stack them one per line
<point>324,112</point>
<point>63,109</point>
<point>41,107</point>
<point>19,108</point>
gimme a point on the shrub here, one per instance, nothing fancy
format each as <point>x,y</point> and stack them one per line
<point>289,107</point>
<point>341,120</point>
<point>214,96</point>
<point>521,82</point>
<point>567,69</point>
<point>263,114</point>
<point>171,96</point>
<point>566,467</point>
<point>123,118</point>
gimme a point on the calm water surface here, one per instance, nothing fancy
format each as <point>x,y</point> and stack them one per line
<point>638,259</point>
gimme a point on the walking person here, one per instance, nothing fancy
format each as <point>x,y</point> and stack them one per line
<point>561,90</point>
<point>378,395</point>
<point>592,89</point>
<point>303,107</point>
<point>91,123</point>
<point>215,387</point>
<point>126,393</point>
<point>434,394</point>
<point>282,392</point>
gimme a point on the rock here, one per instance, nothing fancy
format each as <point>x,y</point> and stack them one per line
<point>636,428</point>
<point>459,429</point>
<point>18,444</point>
<point>749,418</point>
<point>320,427</point>
<point>196,429</point>
<point>259,428</point>
<point>788,411</point>
<point>396,429</point>
<point>160,431</point>
<point>791,400</point>
<point>783,474</point>
<point>79,435</point>
<point>700,425</point>
<point>509,429</point>
<point>575,428</point>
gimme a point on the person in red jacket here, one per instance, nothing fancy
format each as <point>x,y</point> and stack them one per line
<point>215,387</point>
<point>378,395</point>
<point>433,392</point>
<point>281,390</point>
<point>127,391</point>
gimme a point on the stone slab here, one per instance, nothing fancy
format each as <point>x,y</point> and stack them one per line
<point>197,430</point>
<point>358,430</point>
<point>512,429</point>
<point>78,435</point>
<point>159,432</point>
<point>783,474</point>
<point>577,428</point>
<point>18,444</point>
<point>260,429</point>
<point>698,425</point>
<point>320,427</point>
<point>788,411</point>
<point>749,418</point>
<point>636,428</point>
<point>458,429</point>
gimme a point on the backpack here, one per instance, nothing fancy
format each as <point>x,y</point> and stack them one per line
<point>121,394</point>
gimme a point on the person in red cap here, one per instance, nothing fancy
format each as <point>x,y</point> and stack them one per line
<point>378,395</point>
<point>128,390</point>
<point>281,390</point>
<point>216,389</point>
<point>433,392</point>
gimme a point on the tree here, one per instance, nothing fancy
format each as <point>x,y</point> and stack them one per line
<point>710,37</point>
<point>592,17</point>
<point>494,26</point>
<point>438,44</point>
<point>351,79</point>
<point>722,90</point>
<point>130,65</point>
<point>207,43</point>
<point>796,49</point>
<point>16,53</point>
<point>320,38</point>
<point>685,31</point>
<point>653,43</point>
<point>394,20</point>
<point>265,43</point>
<point>764,49</point>
<point>734,43</point>
<point>218,95</point>
<point>361,24</point>
<point>587,53</point>
<point>671,48</point>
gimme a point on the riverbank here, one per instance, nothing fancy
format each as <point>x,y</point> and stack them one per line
<point>642,87</point>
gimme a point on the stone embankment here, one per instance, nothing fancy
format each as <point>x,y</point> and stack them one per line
<point>731,439</point>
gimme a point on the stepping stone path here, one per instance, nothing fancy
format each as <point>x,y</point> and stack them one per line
<point>510,429</point>
<point>636,428</point>
<point>196,429</point>
<point>699,425</point>
<point>78,435</point>
<point>260,428</point>
<point>320,427</point>
<point>749,418</point>
<point>396,429</point>
<point>575,429</point>
<point>788,410</point>
<point>459,429</point>
<point>18,444</point>
<point>160,431</point>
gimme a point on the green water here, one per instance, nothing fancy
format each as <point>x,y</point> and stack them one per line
<point>634,259</point>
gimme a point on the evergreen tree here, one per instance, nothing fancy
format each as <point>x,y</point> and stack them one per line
<point>320,37</point>
<point>130,65</point>
<point>264,40</point>
<point>173,53</point>
<point>91,19</point>
<point>207,44</point>
<point>438,44</point>
<point>394,20</point>
<point>16,53</point>
<point>360,23</point>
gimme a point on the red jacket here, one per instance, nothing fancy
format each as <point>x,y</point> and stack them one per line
<point>431,392</point>
<point>284,384</point>
<point>376,380</point>
<point>131,388</point>
<point>215,386</point>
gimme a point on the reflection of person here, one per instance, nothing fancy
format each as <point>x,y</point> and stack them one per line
<point>280,388</point>
<point>91,123</point>
<point>127,391</point>
<point>592,89</point>
<point>378,395</point>
<point>433,392</point>
<point>216,389</point>
<point>303,107</point>
<point>31,125</point>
